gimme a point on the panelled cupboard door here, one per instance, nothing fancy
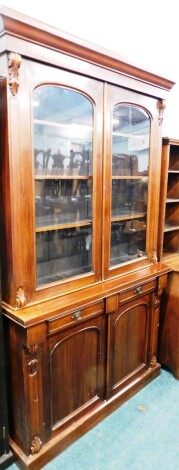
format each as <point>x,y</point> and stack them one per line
<point>60,153</point>
<point>131,186</point>
<point>129,333</point>
<point>75,380</point>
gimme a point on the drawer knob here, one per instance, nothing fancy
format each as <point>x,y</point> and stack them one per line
<point>77,316</point>
<point>138,290</point>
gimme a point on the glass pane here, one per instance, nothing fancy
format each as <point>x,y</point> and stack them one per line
<point>127,240</point>
<point>129,197</point>
<point>130,141</point>
<point>60,201</point>
<point>63,168</point>
<point>63,130</point>
<point>63,253</point>
<point>130,161</point>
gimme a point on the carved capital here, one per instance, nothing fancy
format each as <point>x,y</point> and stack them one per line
<point>36,445</point>
<point>161,105</point>
<point>20,297</point>
<point>14,63</point>
<point>153,361</point>
<point>32,360</point>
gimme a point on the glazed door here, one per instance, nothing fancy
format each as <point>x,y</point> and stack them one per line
<point>65,162</point>
<point>131,184</point>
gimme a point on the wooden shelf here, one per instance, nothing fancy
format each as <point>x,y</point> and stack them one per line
<point>129,177</point>
<point>128,217</point>
<point>63,226</point>
<point>62,177</point>
<point>170,228</point>
<point>170,200</point>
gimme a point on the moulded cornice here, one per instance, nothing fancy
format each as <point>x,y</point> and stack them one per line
<point>21,26</point>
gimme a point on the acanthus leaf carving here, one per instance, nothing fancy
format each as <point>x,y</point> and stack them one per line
<point>14,63</point>
<point>156,303</point>
<point>154,257</point>
<point>20,297</point>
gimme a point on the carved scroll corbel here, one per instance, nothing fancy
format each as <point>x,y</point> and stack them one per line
<point>161,105</point>
<point>153,361</point>
<point>32,361</point>
<point>36,445</point>
<point>32,369</point>
<point>14,63</point>
<point>155,325</point>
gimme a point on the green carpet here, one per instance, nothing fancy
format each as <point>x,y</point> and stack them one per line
<point>143,434</point>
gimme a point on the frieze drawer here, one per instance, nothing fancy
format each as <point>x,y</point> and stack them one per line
<point>73,317</point>
<point>135,291</point>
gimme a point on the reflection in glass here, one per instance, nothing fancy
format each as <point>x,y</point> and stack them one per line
<point>129,197</point>
<point>130,141</point>
<point>63,131</point>
<point>63,168</point>
<point>60,201</point>
<point>130,161</point>
<point>127,240</point>
<point>63,253</point>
